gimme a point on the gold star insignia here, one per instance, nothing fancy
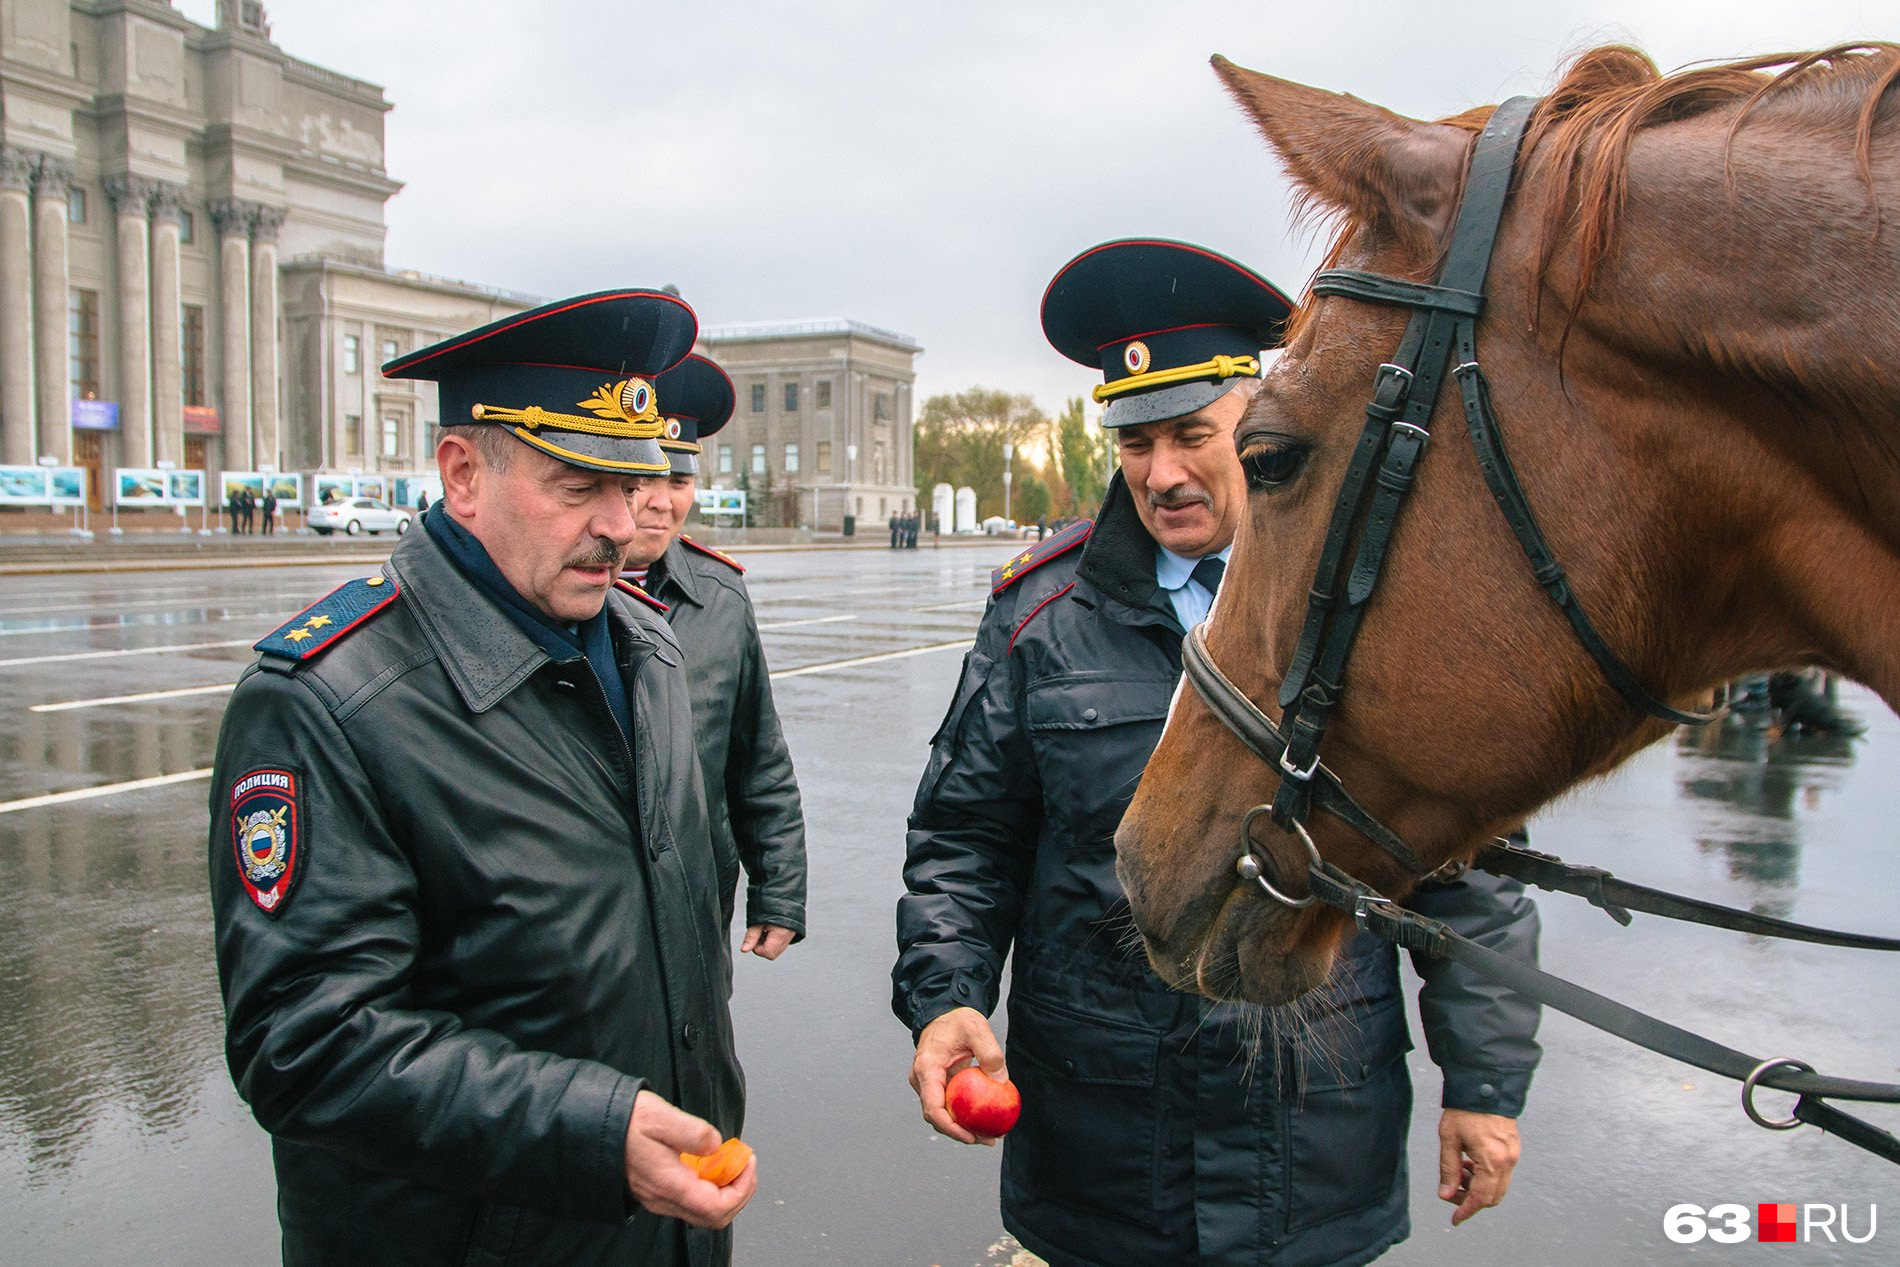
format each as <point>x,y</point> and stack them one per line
<point>317,622</point>
<point>298,635</point>
<point>1009,569</point>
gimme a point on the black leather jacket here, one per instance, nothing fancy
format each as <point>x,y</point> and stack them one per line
<point>1158,1127</point>
<point>504,928</point>
<point>751,791</point>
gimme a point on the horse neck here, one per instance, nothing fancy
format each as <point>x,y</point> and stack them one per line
<point>1769,286</point>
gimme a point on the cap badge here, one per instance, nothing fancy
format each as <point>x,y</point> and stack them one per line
<point>1136,357</point>
<point>672,428</point>
<point>625,410</point>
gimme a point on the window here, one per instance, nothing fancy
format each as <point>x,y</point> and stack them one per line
<point>391,350</point>
<point>758,398</point>
<point>352,355</point>
<point>824,457</point>
<point>191,353</point>
<point>392,437</point>
<point>791,459</point>
<point>353,435</point>
<point>187,227</point>
<point>82,327</point>
<point>758,459</point>
<point>76,205</point>
<point>725,459</point>
<point>791,398</point>
<point>882,407</point>
<point>823,388</point>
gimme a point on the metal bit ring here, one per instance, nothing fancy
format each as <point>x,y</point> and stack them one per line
<point>1755,1075</point>
<point>1250,868</point>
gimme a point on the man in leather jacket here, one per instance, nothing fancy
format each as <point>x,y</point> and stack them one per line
<point>466,927</point>
<point>1160,1127</point>
<point>751,790</point>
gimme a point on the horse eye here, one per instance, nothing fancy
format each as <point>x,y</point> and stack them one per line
<point>1272,465</point>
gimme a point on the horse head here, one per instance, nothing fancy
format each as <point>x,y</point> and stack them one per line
<point>1687,335</point>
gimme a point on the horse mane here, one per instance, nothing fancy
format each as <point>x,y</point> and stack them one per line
<point>1582,131</point>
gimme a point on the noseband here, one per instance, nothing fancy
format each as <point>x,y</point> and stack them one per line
<point>1378,479</point>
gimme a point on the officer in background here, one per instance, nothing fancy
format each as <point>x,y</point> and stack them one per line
<point>471,955</point>
<point>1161,1127</point>
<point>758,823</point>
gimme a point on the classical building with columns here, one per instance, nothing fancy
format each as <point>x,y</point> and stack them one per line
<point>191,250</point>
<point>823,418</point>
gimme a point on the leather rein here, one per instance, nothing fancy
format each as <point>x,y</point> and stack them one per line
<point>1378,478</point>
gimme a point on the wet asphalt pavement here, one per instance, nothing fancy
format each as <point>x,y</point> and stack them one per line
<point>122,1141</point>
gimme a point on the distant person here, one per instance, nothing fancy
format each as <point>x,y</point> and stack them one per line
<point>422,502</point>
<point>247,510</point>
<point>270,511</point>
<point>234,501</point>
<point>896,531</point>
<point>329,495</point>
<point>910,532</point>
<point>758,820</point>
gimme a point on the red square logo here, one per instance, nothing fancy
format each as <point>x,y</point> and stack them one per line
<point>1776,1223</point>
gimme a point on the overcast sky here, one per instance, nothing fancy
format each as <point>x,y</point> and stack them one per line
<point>925,167</point>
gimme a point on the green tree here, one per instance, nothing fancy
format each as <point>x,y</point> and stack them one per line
<point>1031,498</point>
<point>959,441</point>
<point>1082,458</point>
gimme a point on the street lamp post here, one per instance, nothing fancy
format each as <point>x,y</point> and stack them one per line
<point>1008,451</point>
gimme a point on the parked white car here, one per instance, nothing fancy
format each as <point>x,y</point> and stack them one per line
<point>358,514</point>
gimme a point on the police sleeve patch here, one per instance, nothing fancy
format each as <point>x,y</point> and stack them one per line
<point>267,835</point>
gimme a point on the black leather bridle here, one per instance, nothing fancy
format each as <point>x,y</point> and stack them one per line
<point>1378,478</point>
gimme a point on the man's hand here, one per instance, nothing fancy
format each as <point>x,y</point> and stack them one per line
<point>1476,1154</point>
<point>667,1186</point>
<point>767,941</point>
<point>959,1037</point>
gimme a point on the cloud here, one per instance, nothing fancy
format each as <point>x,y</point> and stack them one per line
<point>923,167</point>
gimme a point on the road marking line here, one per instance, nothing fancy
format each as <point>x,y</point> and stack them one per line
<point>961,603</point>
<point>107,655</point>
<point>109,789</point>
<point>816,620</point>
<point>829,665</point>
<point>68,705</point>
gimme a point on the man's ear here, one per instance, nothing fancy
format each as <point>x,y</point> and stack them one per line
<point>463,469</point>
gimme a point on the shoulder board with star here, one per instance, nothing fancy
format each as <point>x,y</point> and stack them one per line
<point>325,621</point>
<point>634,591</point>
<point>1070,538</point>
<point>711,553</point>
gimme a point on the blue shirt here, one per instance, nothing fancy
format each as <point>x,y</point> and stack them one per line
<point>1174,574</point>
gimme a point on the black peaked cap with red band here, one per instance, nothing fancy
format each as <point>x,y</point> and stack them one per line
<point>696,399</point>
<point>572,378</point>
<point>1148,313</point>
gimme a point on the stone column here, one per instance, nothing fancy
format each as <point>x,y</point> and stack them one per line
<point>233,222</point>
<point>51,305</point>
<point>264,335</point>
<point>131,199</point>
<point>16,306</point>
<point>168,400</point>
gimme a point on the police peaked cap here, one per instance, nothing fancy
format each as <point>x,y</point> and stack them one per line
<point>696,399</point>
<point>1168,325</point>
<point>573,378</point>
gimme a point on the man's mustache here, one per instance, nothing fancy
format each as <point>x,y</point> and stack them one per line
<point>604,554</point>
<point>1178,496</point>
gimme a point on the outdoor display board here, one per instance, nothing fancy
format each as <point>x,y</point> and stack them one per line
<point>153,486</point>
<point>287,485</point>
<point>348,486</point>
<point>42,485</point>
<point>720,501</point>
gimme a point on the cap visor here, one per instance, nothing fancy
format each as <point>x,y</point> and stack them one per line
<point>1167,402</point>
<point>597,453</point>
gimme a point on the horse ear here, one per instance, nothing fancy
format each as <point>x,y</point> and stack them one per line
<point>1354,158</point>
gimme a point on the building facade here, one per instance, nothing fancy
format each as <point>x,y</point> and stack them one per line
<point>822,420</point>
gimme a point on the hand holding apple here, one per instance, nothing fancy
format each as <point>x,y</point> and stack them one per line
<point>981,1104</point>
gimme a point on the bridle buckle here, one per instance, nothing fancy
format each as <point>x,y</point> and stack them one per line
<point>1304,776</point>
<point>1364,902</point>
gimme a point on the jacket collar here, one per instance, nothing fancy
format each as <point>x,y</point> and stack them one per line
<point>1119,560</point>
<point>677,575</point>
<point>485,653</point>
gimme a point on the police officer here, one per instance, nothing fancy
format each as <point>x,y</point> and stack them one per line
<point>466,926</point>
<point>752,793</point>
<point>1160,1127</point>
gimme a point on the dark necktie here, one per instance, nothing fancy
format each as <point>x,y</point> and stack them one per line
<point>1208,572</point>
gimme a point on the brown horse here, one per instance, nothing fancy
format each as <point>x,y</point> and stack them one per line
<point>1692,336</point>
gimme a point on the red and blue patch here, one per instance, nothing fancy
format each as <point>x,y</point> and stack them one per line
<point>267,835</point>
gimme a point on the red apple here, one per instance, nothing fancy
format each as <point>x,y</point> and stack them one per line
<point>981,1104</point>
